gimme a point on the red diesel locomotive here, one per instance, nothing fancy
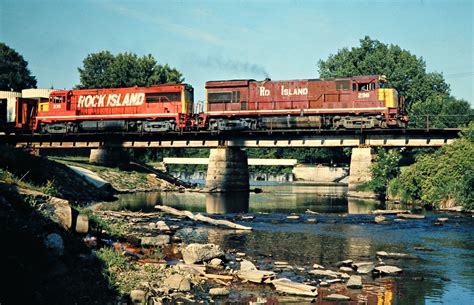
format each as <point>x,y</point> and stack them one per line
<point>356,102</point>
<point>151,109</point>
<point>350,103</point>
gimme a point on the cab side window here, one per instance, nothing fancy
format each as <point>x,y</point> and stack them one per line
<point>365,87</point>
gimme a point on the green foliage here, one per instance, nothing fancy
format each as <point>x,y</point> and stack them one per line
<point>50,189</point>
<point>426,93</point>
<point>445,176</point>
<point>14,72</point>
<point>112,259</point>
<point>405,71</point>
<point>303,155</point>
<point>441,111</point>
<point>384,168</point>
<point>104,70</point>
<point>115,264</point>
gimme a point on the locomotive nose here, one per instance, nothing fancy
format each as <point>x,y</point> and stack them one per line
<point>389,96</point>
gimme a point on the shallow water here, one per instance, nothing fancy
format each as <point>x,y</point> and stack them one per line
<point>343,230</point>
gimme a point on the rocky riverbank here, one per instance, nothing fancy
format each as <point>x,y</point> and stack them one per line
<point>153,263</point>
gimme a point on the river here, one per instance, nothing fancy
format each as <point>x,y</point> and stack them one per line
<point>343,230</point>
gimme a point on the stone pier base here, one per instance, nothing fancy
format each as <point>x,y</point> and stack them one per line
<point>108,156</point>
<point>227,170</point>
<point>359,171</point>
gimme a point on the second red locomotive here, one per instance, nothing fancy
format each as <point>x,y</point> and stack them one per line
<point>356,102</point>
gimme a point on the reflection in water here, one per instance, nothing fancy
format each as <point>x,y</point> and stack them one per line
<point>227,203</point>
<point>361,206</point>
<point>135,202</point>
<point>274,199</point>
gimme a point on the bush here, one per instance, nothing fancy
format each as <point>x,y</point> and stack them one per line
<point>445,176</point>
<point>384,168</point>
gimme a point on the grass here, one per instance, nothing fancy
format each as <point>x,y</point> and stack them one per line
<point>125,275</point>
<point>115,264</point>
<point>120,179</point>
<point>48,188</point>
<point>365,187</point>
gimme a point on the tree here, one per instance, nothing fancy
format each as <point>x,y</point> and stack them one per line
<point>14,72</point>
<point>425,93</point>
<point>404,71</point>
<point>441,111</point>
<point>385,168</point>
<point>104,70</point>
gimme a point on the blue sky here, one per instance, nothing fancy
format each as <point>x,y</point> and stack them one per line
<point>209,40</point>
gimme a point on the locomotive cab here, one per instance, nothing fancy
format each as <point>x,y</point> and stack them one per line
<point>374,89</point>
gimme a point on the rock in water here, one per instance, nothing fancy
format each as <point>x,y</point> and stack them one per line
<point>355,282</point>
<point>178,282</point>
<point>218,291</point>
<point>54,243</point>
<point>162,226</point>
<point>411,216</point>
<point>290,287</point>
<point>345,269</point>
<point>195,253</point>
<point>246,265</point>
<point>138,296</point>
<point>364,267</point>
<point>379,219</point>
<point>336,297</point>
<point>347,262</point>
<point>388,269</point>
<point>256,276</point>
<point>155,240</point>
<point>394,255</point>
<point>215,262</point>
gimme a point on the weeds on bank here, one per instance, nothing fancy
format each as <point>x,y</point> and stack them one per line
<point>125,275</point>
<point>10,178</point>
<point>115,264</point>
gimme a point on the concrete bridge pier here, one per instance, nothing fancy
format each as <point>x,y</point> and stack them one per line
<point>359,171</point>
<point>108,156</point>
<point>227,170</point>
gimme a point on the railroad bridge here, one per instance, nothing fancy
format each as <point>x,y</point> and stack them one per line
<point>228,161</point>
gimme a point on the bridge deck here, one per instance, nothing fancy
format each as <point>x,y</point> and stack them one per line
<point>263,139</point>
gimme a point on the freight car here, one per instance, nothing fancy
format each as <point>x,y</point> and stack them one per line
<point>350,103</point>
<point>142,109</point>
